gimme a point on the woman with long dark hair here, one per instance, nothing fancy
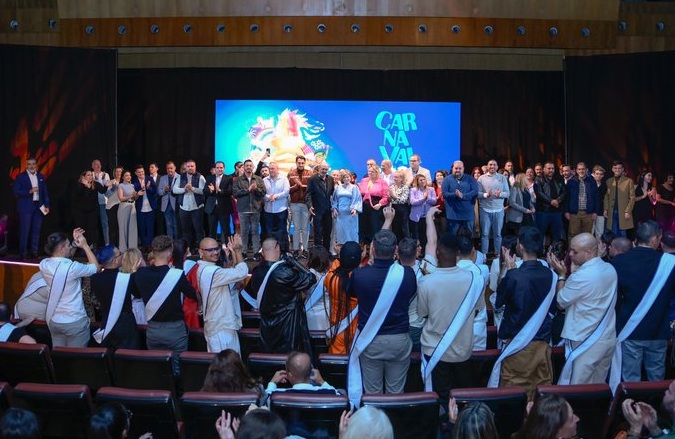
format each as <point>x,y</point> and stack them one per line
<point>85,206</point>
<point>317,304</point>
<point>112,421</point>
<point>422,197</point>
<point>665,203</point>
<point>440,220</point>
<point>342,318</point>
<point>228,374</point>
<point>645,197</point>
<point>550,417</point>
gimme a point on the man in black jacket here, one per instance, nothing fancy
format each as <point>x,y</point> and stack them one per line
<point>218,205</point>
<point>551,197</point>
<point>318,199</point>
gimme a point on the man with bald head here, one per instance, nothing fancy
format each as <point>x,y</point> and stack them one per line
<point>302,377</point>
<point>222,315</point>
<point>588,297</point>
<point>459,193</point>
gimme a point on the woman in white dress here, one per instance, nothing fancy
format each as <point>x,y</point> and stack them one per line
<point>317,303</point>
<point>347,205</point>
<point>126,213</point>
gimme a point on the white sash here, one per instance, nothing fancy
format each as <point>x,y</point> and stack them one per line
<point>663,271</point>
<point>6,331</point>
<point>249,299</point>
<point>343,324</point>
<point>316,295</point>
<point>573,354</point>
<point>261,290</point>
<point>525,335</point>
<point>206,276</point>
<point>162,292</point>
<point>464,313</point>
<point>31,289</point>
<point>57,288</point>
<point>119,294</point>
<point>390,288</point>
<point>236,306</point>
<point>187,265</point>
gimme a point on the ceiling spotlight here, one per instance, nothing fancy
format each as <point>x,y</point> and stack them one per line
<point>455,29</point>
<point>154,29</point>
<point>389,28</point>
<point>187,28</point>
<point>623,26</point>
<point>121,30</point>
<point>288,28</point>
<point>51,23</point>
<point>220,28</point>
<point>89,30</point>
<point>553,31</point>
<point>660,26</point>
<point>14,24</point>
<point>254,28</point>
<point>585,32</point>
<point>321,28</point>
<point>488,30</point>
<point>355,28</point>
<point>520,30</point>
<point>422,28</point>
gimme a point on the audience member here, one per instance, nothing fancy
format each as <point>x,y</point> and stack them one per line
<point>227,373</point>
<point>407,256</point>
<point>301,376</point>
<point>112,421</point>
<point>317,302</point>
<point>256,424</point>
<point>10,332</point>
<point>550,417</point>
<point>475,421</point>
<point>640,414</point>
<point>33,300</point>
<point>366,423</point>
<point>619,200</point>
<point>17,423</point>
<point>343,308</point>
<point>132,260</point>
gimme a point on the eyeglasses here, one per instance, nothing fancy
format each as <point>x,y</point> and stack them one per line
<point>212,249</point>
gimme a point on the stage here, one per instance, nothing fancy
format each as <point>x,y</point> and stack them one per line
<point>14,275</point>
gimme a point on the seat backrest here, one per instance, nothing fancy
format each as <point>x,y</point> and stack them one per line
<point>491,342</point>
<point>249,341</point>
<point>140,369</point>
<point>482,363</point>
<point>90,366</point>
<point>650,392</point>
<point>333,368</point>
<point>193,369</point>
<point>308,415</point>
<point>20,362</point>
<point>201,409</point>
<point>250,319</point>
<point>63,410</point>
<point>39,330</point>
<point>319,343</point>
<point>413,415</point>
<point>557,361</point>
<point>196,340</point>
<point>265,365</point>
<point>153,411</point>
<point>507,404</point>
<point>590,403</point>
<point>413,382</point>
<point>5,396</point>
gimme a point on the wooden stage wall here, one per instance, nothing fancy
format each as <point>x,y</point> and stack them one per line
<point>13,278</point>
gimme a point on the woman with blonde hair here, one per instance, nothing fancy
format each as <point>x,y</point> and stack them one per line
<point>347,205</point>
<point>375,194</point>
<point>399,195</point>
<point>132,259</point>
<point>521,206</point>
<point>366,423</point>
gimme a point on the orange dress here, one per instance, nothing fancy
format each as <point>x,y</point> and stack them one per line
<point>340,343</point>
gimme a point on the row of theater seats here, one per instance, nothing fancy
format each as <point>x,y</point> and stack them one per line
<point>64,409</point>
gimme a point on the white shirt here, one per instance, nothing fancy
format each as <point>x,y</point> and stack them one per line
<point>280,188</point>
<point>71,306</point>
<point>220,313</point>
<point>586,298</point>
<point>34,183</point>
<point>103,178</point>
<point>189,202</point>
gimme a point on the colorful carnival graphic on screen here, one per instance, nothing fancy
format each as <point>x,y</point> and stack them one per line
<point>343,134</point>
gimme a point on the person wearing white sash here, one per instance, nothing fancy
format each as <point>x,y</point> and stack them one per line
<point>441,298</point>
<point>10,332</point>
<point>33,301</point>
<point>465,261</point>
<point>111,288</point>
<point>160,287</point>
<point>523,292</point>
<point>380,354</point>
<point>65,315</point>
<point>220,319</point>
<point>408,251</point>
<point>646,285</point>
<point>278,285</point>
<point>343,308</point>
<point>588,297</point>
<point>317,303</point>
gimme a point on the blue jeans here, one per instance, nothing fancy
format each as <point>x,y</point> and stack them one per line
<point>170,220</point>
<point>615,225</point>
<point>250,223</point>
<point>276,224</point>
<point>454,225</point>
<point>104,223</point>
<point>651,353</point>
<point>491,221</point>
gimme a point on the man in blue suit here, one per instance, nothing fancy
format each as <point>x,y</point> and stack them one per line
<point>30,189</point>
<point>145,206</point>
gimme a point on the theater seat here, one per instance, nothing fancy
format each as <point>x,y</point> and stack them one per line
<point>196,340</point>
<point>491,337</point>
<point>249,341</point>
<point>29,363</point>
<point>153,411</point>
<point>482,363</point>
<point>63,410</point>
<point>139,369</point>
<point>319,343</point>
<point>250,319</point>
<point>413,415</point>
<point>193,369</point>
<point>90,366</point>
<point>265,365</point>
<point>333,368</point>
<point>507,404</point>
<point>201,409</point>
<point>557,361</point>
<point>650,392</point>
<point>5,396</point>
<point>308,415</point>
<point>590,402</point>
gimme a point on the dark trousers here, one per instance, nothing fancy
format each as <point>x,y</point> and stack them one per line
<point>160,227</point>
<point>192,223</point>
<point>448,376</point>
<point>323,225</point>
<point>418,231</point>
<point>400,223</point>
<point>220,215</point>
<point>373,221</point>
<point>30,224</point>
<point>276,225</point>
<point>113,225</point>
<point>146,227</point>
<point>552,221</point>
<point>89,220</point>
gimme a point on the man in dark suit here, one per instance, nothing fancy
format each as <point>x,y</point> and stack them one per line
<point>160,228</point>
<point>319,192</point>
<point>168,199</point>
<point>218,204</point>
<point>30,189</point>
<point>145,206</point>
